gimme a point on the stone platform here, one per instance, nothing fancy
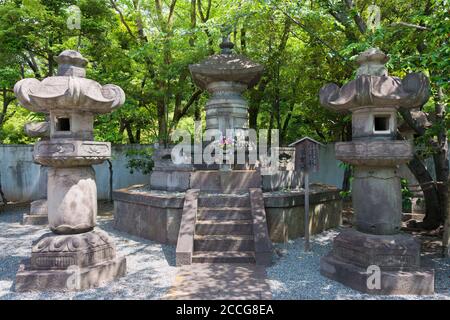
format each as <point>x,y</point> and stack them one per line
<point>156,215</point>
<point>356,256</point>
<point>207,281</point>
<point>70,262</point>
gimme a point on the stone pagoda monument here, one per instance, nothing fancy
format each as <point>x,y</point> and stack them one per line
<point>227,211</point>
<point>376,244</point>
<point>226,76</point>
<point>75,256</point>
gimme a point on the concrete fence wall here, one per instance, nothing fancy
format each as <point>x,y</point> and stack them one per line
<point>23,180</point>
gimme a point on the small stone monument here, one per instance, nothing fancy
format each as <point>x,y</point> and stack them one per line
<point>38,214</point>
<point>375,257</point>
<point>74,256</point>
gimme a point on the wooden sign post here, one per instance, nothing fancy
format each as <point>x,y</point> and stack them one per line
<point>306,160</point>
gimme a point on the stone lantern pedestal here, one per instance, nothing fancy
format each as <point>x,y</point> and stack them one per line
<point>74,256</point>
<point>375,257</point>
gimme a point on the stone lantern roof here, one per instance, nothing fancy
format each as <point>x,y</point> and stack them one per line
<point>226,66</point>
<point>69,90</point>
<point>373,87</point>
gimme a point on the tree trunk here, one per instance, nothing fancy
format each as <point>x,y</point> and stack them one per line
<point>441,157</point>
<point>2,195</point>
<point>129,133</point>
<point>162,125</point>
<point>446,236</point>
<point>433,216</point>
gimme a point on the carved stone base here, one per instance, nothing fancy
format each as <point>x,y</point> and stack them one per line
<point>38,213</point>
<point>70,262</point>
<point>396,256</point>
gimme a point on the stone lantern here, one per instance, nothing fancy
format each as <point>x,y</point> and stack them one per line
<point>375,257</point>
<point>74,256</point>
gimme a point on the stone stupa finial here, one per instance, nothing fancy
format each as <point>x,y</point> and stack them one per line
<point>226,46</point>
<point>71,63</point>
<point>372,62</point>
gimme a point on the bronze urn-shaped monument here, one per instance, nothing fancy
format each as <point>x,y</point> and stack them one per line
<point>374,256</point>
<point>75,256</point>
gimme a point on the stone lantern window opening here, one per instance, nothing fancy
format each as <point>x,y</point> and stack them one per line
<point>382,124</point>
<point>62,124</point>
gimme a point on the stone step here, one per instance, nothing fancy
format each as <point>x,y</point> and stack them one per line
<point>218,227</point>
<point>223,243</point>
<point>223,257</point>
<point>217,200</point>
<point>224,213</point>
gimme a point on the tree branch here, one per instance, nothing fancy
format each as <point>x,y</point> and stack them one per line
<point>410,25</point>
<point>189,103</point>
<point>122,18</point>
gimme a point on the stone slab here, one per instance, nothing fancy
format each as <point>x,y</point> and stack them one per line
<point>418,282</point>
<point>143,221</point>
<point>72,279</point>
<point>375,153</point>
<point>389,252</point>
<point>286,223</point>
<point>263,245</point>
<point>170,180</point>
<point>69,152</point>
<point>216,281</point>
<point>35,219</point>
<point>225,181</point>
<point>185,243</point>
<point>142,195</point>
<point>38,213</point>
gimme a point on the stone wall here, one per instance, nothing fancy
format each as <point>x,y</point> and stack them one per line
<point>153,215</point>
<point>156,215</point>
<point>285,212</point>
<point>24,181</point>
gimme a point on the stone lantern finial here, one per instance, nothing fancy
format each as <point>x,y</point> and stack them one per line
<point>226,46</point>
<point>71,63</point>
<point>372,62</point>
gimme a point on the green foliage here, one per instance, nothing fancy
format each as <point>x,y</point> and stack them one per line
<point>406,196</point>
<point>302,45</point>
<point>140,159</point>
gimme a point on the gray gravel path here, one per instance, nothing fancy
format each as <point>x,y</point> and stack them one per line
<point>295,275</point>
<point>152,271</point>
<point>150,266</point>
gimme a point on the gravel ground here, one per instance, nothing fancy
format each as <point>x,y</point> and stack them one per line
<point>151,267</point>
<point>295,275</point>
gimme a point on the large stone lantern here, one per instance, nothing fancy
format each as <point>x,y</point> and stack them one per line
<point>75,256</point>
<point>376,243</point>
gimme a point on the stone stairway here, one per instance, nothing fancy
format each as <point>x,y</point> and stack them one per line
<point>223,228</point>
